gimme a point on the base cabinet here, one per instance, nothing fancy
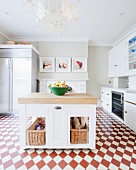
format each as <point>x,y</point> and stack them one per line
<point>106,99</point>
<point>57,128</point>
<point>130,115</point>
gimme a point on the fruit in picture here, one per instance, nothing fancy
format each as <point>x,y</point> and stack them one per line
<point>63,65</point>
<point>79,64</point>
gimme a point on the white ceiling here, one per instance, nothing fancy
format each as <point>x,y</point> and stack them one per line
<point>101,21</point>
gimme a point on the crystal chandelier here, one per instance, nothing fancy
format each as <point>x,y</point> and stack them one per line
<point>53,14</point>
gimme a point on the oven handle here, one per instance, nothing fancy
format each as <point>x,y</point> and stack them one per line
<point>121,99</point>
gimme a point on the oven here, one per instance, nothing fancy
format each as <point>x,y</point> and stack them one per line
<point>118,104</point>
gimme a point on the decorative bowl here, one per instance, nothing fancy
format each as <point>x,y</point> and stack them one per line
<point>59,91</point>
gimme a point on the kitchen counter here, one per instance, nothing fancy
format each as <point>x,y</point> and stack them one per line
<point>49,98</point>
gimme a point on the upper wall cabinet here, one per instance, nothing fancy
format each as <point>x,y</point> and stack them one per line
<point>121,52</point>
<point>132,53</point>
<point>112,63</point>
<point>118,62</point>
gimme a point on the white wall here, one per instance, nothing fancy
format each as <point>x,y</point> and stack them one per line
<point>63,49</point>
<point>97,69</point>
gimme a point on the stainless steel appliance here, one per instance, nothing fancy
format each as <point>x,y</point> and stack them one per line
<point>18,72</point>
<point>118,104</point>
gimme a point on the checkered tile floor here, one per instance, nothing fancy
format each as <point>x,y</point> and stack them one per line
<point>115,149</point>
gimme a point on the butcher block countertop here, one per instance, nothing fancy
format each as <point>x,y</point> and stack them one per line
<point>49,98</point>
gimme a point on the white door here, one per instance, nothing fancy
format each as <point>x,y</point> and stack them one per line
<point>57,126</point>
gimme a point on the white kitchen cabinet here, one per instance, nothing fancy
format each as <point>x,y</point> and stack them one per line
<point>131,42</point>
<point>130,115</point>
<point>57,124</point>
<point>112,69</point>
<point>130,110</point>
<point>122,59</point>
<point>118,60</point>
<point>106,99</point>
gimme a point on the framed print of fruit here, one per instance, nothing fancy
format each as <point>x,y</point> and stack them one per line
<point>79,64</point>
<point>47,64</point>
<point>63,64</point>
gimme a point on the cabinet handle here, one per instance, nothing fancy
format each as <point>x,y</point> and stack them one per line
<point>107,104</point>
<point>57,107</point>
<point>102,92</point>
<point>107,94</point>
<point>125,111</point>
<point>101,101</point>
<point>115,65</point>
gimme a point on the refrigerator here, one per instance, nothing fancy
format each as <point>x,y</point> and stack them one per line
<point>18,73</point>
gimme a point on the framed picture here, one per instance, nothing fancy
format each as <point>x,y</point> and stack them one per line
<point>63,64</point>
<point>47,64</point>
<point>79,64</point>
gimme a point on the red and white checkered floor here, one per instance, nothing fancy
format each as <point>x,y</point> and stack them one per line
<point>115,149</point>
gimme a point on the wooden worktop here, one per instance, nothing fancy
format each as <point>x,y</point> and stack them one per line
<point>49,98</point>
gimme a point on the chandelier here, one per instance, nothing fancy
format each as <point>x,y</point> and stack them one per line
<point>53,14</point>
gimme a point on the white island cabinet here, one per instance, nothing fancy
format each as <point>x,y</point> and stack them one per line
<point>57,114</point>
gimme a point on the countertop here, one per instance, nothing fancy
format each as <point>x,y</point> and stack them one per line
<point>49,98</point>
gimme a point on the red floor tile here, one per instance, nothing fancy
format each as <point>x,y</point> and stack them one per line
<point>51,164</point>
<point>41,164</point>
<point>53,154</point>
<point>29,164</point>
<point>73,164</point>
<point>82,154</point>
<point>84,163</point>
<point>95,163</point>
<point>62,164</point>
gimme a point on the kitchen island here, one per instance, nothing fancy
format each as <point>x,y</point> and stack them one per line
<point>54,114</point>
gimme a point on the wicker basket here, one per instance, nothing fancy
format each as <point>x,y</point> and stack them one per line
<point>35,137</point>
<point>79,136</point>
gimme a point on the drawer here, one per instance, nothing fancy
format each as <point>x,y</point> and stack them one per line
<point>36,109</point>
<point>82,110</point>
<point>106,92</point>
<point>106,104</point>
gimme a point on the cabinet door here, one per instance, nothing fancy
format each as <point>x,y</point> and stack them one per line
<point>57,126</point>
<point>130,115</point>
<point>113,66</point>
<point>122,58</point>
<point>131,42</point>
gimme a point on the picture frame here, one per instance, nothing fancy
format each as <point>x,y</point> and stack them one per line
<point>47,64</point>
<point>63,64</point>
<point>79,64</point>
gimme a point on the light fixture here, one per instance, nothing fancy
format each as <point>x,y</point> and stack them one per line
<point>54,14</point>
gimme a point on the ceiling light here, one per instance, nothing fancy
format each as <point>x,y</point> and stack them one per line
<point>54,14</point>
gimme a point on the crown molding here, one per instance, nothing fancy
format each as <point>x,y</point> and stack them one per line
<point>125,34</point>
<point>4,34</point>
<point>48,39</point>
<point>100,44</point>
